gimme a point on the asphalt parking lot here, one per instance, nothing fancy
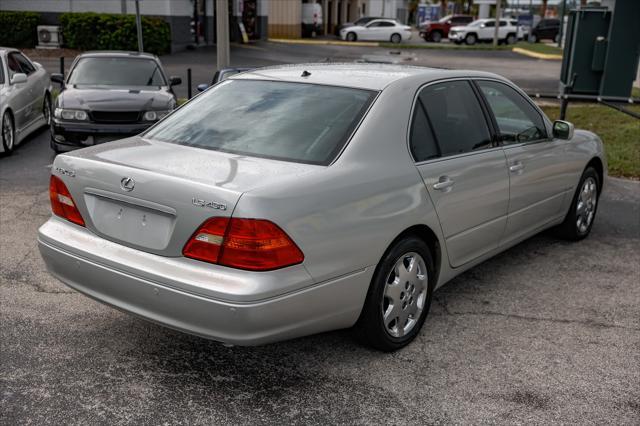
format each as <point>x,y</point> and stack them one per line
<point>546,332</point>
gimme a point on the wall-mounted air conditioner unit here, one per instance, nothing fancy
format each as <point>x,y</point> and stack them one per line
<point>49,37</point>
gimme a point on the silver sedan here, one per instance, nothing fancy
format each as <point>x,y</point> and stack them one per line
<point>293,200</point>
<point>25,97</point>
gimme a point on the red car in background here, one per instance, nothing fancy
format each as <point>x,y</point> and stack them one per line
<point>436,31</point>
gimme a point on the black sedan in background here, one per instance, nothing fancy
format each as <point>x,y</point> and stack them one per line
<point>109,96</point>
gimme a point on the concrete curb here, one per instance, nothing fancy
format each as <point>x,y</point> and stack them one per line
<point>546,56</point>
<point>323,42</point>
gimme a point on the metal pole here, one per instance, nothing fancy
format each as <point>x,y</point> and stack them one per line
<point>195,23</point>
<point>498,15</point>
<point>222,34</point>
<point>564,103</point>
<point>560,33</point>
<point>139,26</point>
<point>188,83</point>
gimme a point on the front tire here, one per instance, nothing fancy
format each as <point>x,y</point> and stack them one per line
<point>8,133</point>
<point>396,38</point>
<point>511,39</point>
<point>470,39</point>
<point>436,36</point>
<point>352,36</point>
<point>582,213</point>
<point>399,296</point>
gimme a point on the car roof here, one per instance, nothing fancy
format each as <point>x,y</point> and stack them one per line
<point>8,49</point>
<point>117,54</point>
<point>357,75</point>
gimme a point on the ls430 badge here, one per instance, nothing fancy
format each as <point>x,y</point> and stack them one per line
<point>211,204</point>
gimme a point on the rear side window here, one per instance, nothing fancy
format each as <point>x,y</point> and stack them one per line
<point>298,122</point>
<point>461,20</point>
<point>422,140</point>
<point>457,121</point>
<point>518,121</point>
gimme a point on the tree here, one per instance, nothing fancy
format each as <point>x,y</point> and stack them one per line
<point>543,10</point>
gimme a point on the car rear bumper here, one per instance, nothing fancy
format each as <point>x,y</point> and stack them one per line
<point>77,134</point>
<point>103,271</point>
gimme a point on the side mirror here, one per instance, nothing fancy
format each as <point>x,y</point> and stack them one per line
<point>174,81</point>
<point>57,78</point>
<point>37,64</point>
<point>19,78</point>
<point>562,130</point>
<point>202,87</point>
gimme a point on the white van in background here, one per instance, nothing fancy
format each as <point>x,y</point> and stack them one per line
<point>311,19</point>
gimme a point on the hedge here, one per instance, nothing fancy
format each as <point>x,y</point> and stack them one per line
<point>102,31</point>
<point>19,29</point>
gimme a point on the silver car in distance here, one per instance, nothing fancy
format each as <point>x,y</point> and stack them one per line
<point>294,200</point>
<point>25,98</point>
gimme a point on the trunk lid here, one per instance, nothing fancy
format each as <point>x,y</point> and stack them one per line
<point>153,195</point>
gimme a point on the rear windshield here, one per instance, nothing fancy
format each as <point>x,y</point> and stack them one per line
<point>298,122</point>
<point>117,72</point>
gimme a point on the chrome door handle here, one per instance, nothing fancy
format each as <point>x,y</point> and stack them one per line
<point>516,167</point>
<point>444,184</point>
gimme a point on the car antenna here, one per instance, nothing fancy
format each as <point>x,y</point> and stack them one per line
<point>305,73</point>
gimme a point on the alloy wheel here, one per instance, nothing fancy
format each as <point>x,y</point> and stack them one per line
<point>405,294</point>
<point>7,132</point>
<point>586,205</point>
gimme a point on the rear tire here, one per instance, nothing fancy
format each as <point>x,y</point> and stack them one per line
<point>399,296</point>
<point>470,39</point>
<point>352,36</point>
<point>582,213</point>
<point>396,38</point>
<point>533,38</point>
<point>8,133</point>
<point>46,109</point>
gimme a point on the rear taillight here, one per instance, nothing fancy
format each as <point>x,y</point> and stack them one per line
<point>252,244</point>
<point>62,203</point>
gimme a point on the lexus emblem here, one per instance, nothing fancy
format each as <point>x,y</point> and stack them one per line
<point>127,184</point>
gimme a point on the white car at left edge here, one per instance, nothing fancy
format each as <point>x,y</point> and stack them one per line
<point>25,98</point>
<point>377,30</point>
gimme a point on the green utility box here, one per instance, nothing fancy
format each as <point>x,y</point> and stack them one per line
<point>601,51</point>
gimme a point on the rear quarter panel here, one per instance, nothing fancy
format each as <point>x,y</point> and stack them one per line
<point>581,149</point>
<point>345,217</point>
